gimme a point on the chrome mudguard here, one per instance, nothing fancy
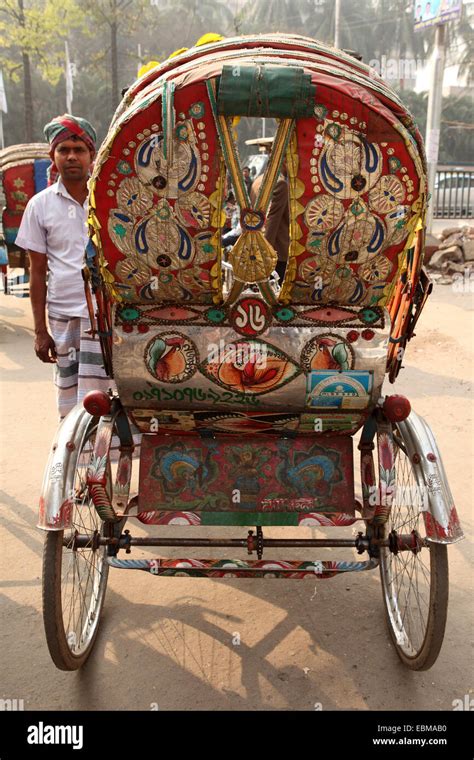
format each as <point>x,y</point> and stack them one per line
<point>56,500</point>
<point>440,516</point>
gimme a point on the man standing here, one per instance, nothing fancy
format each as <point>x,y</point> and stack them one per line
<point>53,230</point>
<point>247,177</point>
<point>277,224</point>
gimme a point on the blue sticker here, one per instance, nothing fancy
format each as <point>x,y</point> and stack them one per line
<point>338,390</point>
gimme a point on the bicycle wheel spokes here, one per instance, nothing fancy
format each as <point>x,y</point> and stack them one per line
<point>83,567</point>
<point>414,581</point>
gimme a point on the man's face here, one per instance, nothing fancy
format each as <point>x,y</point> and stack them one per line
<point>73,159</point>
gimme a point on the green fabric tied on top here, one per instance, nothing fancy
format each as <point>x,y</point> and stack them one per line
<point>284,92</point>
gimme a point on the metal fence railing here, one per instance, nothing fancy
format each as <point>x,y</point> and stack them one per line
<point>454,192</point>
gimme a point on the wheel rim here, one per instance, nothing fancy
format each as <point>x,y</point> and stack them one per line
<point>407,576</point>
<point>83,571</point>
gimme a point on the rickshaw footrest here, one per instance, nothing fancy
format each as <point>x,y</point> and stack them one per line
<point>220,568</point>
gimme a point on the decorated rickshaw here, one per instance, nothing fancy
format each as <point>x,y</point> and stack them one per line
<point>252,393</point>
<point>23,172</point>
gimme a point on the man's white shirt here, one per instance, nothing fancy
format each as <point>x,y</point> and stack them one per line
<point>55,224</point>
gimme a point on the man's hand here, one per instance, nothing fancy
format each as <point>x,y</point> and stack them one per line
<point>45,347</point>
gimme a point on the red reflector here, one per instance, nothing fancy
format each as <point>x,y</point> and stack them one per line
<point>396,408</point>
<point>97,403</point>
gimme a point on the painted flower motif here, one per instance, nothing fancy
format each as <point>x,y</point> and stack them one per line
<point>250,367</point>
<point>97,466</point>
<point>387,194</point>
<point>333,130</point>
<point>394,164</point>
<point>385,451</point>
<point>251,375</point>
<point>323,213</point>
<point>368,474</point>
<point>133,270</point>
<point>194,210</point>
<point>133,198</point>
<point>197,110</point>
<point>124,167</point>
<point>348,166</point>
<point>358,208</point>
<point>320,111</point>
<point>120,228</point>
<point>163,210</point>
<point>182,132</point>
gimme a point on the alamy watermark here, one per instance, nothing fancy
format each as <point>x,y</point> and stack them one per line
<point>403,496</point>
<point>397,68</point>
<point>12,704</point>
<point>239,354</point>
<point>48,734</point>
<point>463,283</point>
<point>464,703</point>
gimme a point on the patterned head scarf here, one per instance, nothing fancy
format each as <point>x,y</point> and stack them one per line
<point>66,126</point>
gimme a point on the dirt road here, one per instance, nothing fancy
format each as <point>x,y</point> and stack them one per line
<point>174,642</point>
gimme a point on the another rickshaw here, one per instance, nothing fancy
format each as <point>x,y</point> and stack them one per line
<point>23,171</point>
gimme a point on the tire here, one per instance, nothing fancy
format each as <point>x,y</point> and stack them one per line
<point>415,585</point>
<point>75,581</point>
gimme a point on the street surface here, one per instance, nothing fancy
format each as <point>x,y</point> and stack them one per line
<point>172,643</point>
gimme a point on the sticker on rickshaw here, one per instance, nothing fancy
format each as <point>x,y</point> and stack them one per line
<point>339,390</point>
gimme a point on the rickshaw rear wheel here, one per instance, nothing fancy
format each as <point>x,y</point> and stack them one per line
<point>75,579</point>
<point>415,583</point>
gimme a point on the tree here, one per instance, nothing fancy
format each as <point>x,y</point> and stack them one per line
<point>180,23</point>
<point>260,16</point>
<point>115,16</point>
<point>34,36</point>
<point>457,129</point>
<point>314,18</point>
<point>462,46</point>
